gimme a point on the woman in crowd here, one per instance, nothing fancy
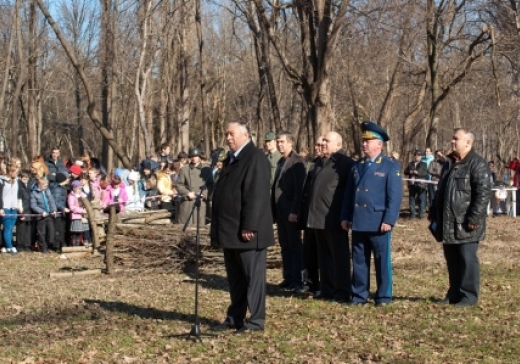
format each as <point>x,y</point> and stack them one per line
<point>25,226</point>
<point>9,206</point>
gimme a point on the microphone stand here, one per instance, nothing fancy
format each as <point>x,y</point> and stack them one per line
<point>195,330</point>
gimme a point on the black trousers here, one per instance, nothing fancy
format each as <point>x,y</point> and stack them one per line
<point>24,233</point>
<point>310,257</point>
<point>289,237</point>
<point>334,260</point>
<point>60,225</point>
<point>246,273</point>
<point>46,234</point>
<point>463,272</point>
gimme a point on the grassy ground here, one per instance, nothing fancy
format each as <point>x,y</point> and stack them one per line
<point>131,317</point>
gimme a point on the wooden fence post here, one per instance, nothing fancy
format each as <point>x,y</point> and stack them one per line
<point>109,254</point>
<point>92,222</point>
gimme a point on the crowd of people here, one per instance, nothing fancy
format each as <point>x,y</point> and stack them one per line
<point>42,207</point>
<point>314,203</point>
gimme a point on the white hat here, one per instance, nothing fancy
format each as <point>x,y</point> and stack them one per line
<point>134,176</point>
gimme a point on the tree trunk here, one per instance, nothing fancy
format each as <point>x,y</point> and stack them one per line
<point>91,108</point>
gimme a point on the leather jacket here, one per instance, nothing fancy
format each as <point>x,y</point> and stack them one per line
<point>462,198</point>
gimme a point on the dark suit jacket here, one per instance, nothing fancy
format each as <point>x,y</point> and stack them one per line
<point>326,194</point>
<point>288,185</point>
<point>241,200</point>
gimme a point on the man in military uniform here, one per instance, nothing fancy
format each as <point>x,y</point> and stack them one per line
<point>191,177</point>
<point>272,153</point>
<point>371,208</point>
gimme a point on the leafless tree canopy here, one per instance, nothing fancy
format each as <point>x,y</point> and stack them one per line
<point>117,78</point>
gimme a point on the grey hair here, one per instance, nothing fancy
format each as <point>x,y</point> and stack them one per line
<point>288,136</point>
<point>468,132</point>
<point>242,125</point>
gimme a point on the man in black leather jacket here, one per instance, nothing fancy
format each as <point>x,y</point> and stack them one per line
<point>458,217</point>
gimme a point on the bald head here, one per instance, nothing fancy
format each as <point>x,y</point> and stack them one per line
<point>333,143</point>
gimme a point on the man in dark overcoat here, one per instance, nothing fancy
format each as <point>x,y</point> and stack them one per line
<point>285,200</point>
<point>243,227</point>
<point>325,197</point>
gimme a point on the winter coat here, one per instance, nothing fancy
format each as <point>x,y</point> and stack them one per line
<point>191,178</point>
<point>108,197</point>
<point>241,201</point>
<point>76,206</point>
<point>326,192</point>
<point>462,198</point>
<point>37,205</point>
<point>422,172</point>
<point>24,194</point>
<point>55,167</point>
<point>59,193</point>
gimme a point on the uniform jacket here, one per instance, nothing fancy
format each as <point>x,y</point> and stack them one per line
<point>37,205</point>
<point>273,158</point>
<point>326,194</point>
<point>307,189</point>
<point>287,188</point>
<point>241,201</point>
<point>462,198</point>
<point>373,194</point>
<point>191,178</point>
<point>422,171</point>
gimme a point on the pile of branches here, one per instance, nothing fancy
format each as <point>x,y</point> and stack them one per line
<point>167,247</point>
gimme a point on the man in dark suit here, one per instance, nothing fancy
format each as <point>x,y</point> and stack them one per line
<point>241,226</point>
<point>325,197</point>
<point>285,200</point>
<point>371,209</point>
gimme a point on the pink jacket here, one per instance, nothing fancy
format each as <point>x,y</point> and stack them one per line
<point>75,206</point>
<point>108,197</point>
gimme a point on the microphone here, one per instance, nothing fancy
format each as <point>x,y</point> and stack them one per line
<point>214,156</point>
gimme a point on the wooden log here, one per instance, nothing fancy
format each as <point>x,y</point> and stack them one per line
<point>71,249</point>
<point>139,220</point>
<point>109,253</point>
<point>75,273</point>
<point>157,214</point>
<point>92,222</point>
<point>163,215</point>
<point>159,222</point>
<point>76,255</point>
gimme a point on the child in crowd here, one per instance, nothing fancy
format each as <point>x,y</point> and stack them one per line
<point>115,193</point>
<point>9,206</point>
<point>59,193</point>
<point>153,199</point>
<point>132,190</point>
<point>166,189</point>
<point>42,203</point>
<point>95,189</point>
<point>79,224</point>
<point>75,172</point>
<point>104,181</point>
<point>24,226</point>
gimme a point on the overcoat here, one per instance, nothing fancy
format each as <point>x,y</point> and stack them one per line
<point>287,188</point>
<point>326,194</point>
<point>191,178</point>
<point>241,201</point>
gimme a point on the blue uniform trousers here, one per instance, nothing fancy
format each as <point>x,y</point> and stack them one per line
<point>363,244</point>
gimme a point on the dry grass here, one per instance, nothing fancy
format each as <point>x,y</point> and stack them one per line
<point>130,317</point>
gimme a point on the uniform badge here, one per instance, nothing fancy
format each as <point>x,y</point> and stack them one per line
<point>379,174</point>
<point>398,174</point>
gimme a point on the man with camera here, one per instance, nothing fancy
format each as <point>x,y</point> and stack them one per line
<point>415,170</point>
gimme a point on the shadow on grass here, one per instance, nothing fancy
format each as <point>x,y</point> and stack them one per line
<point>148,313</point>
<point>217,281</point>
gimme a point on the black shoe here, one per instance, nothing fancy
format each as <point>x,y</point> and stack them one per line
<point>222,327</point>
<point>463,304</point>
<point>294,287</point>
<point>353,303</point>
<point>248,328</point>
<point>320,296</point>
<point>284,284</point>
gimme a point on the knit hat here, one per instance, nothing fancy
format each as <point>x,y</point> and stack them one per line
<point>76,184</point>
<point>75,169</point>
<point>134,176</point>
<point>61,177</point>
